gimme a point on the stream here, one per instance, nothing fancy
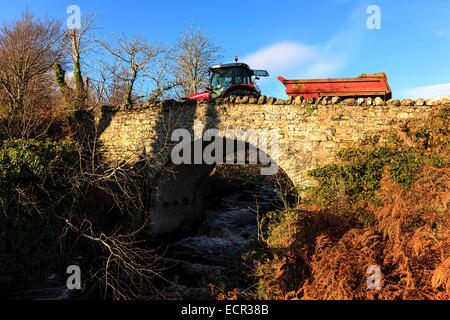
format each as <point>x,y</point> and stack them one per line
<point>213,253</point>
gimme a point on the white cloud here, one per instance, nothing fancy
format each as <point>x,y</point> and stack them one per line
<point>326,67</point>
<point>281,56</point>
<point>296,60</point>
<point>427,91</point>
<point>291,57</point>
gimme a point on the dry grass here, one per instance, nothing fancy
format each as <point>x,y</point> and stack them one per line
<point>326,253</point>
<point>317,252</point>
<point>323,251</point>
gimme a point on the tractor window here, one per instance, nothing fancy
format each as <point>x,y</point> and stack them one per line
<point>221,80</point>
<point>241,76</point>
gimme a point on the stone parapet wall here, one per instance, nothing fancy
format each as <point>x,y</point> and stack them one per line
<point>310,132</point>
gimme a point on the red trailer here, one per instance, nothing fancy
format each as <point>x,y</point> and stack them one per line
<point>366,85</point>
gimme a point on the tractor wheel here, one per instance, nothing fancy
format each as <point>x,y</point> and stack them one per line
<point>243,92</point>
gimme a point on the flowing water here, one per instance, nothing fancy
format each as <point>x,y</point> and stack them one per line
<point>214,253</point>
<point>211,254</point>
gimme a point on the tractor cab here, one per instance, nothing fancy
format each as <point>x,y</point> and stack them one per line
<point>231,79</point>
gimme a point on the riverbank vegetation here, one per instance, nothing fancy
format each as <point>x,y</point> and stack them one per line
<point>60,204</point>
<point>381,206</point>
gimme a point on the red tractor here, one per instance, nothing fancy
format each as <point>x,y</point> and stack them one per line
<point>231,79</point>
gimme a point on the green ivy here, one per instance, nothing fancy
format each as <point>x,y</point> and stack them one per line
<point>360,171</point>
<point>310,108</point>
<point>29,234</point>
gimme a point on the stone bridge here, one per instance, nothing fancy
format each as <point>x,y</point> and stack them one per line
<point>309,134</point>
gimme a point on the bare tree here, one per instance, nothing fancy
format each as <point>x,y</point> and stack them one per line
<point>191,56</point>
<point>135,57</point>
<point>78,41</point>
<point>28,49</point>
<point>81,41</point>
<point>160,76</point>
<point>117,87</point>
<point>101,85</point>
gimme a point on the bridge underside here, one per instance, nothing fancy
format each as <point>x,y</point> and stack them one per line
<point>178,201</point>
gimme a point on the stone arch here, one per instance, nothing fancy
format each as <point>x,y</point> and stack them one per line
<point>178,201</point>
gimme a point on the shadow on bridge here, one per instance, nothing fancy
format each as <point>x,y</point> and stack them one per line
<point>178,197</point>
<point>175,191</point>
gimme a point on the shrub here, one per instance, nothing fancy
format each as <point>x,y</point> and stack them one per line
<point>32,180</point>
<point>398,219</point>
<point>361,170</point>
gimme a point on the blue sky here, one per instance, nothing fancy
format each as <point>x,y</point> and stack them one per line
<point>294,39</point>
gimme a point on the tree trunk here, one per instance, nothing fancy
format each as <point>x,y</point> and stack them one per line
<point>128,98</point>
<point>76,64</point>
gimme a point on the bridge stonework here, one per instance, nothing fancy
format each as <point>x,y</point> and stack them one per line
<point>309,135</point>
